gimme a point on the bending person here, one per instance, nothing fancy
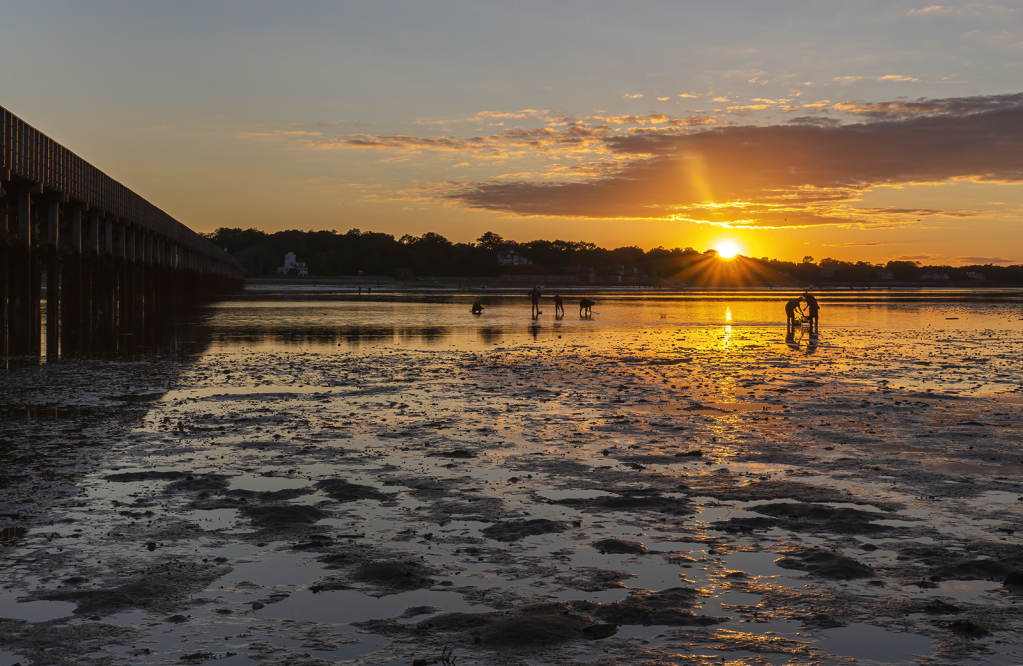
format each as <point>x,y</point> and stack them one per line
<point>812,309</point>
<point>790,313</point>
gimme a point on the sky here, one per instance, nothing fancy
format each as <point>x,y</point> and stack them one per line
<point>871,131</point>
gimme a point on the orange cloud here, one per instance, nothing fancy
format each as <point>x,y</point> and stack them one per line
<point>780,175</point>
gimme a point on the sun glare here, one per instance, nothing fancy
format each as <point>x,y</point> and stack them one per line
<point>727,249</point>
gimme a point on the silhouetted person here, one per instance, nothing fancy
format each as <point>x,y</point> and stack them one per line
<point>586,307</point>
<point>534,297</point>
<point>477,307</point>
<point>790,313</point>
<point>812,308</point>
<point>559,305</point>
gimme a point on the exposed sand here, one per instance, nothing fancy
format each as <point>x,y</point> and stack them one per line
<point>676,496</point>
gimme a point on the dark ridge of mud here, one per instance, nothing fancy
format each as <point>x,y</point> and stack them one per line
<point>634,500</point>
<point>129,477</point>
<point>668,607</point>
<point>973,570</point>
<point>456,453</point>
<point>823,621</point>
<point>745,524</point>
<point>825,563</point>
<point>723,487</point>
<point>199,483</point>
<point>620,546</point>
<point>993,561</point>
<point>55,642</point>
<point>541,624</point>
<point>162,590</point>
<point>799,517</point>
<point>281,516</point>
<point>534,627</point>
<point>269,495</point>
<point>137,397</point>
<point>514,530</point>
<point>395,575</point>
<point>594,579</point>
<point>343,491</point>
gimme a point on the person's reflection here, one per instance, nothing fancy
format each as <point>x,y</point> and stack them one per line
<point>534,331</point>
<point>790,340</point>
<point>811,345</point>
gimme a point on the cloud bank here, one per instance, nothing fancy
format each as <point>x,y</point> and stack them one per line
<point>784,175</point>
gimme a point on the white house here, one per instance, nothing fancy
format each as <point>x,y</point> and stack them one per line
<point>289,263</point>
<point>509,258</point>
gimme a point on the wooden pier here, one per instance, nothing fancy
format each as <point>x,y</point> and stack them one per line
<point>117,268</point>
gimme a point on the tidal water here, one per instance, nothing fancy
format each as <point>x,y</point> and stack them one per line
<point>316,476</point>
<point>270,316</point>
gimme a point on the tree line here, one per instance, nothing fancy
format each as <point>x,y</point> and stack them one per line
<point>329,253</point>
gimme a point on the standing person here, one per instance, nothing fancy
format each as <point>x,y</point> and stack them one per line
<point>534,297</point>
<point>559,306</point>
<point>790,313</point>
<point>812,308</point>
<point>586,307</point>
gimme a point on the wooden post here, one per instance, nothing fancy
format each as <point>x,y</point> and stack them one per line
<point>52,280</point>
<point>5,264</point>
<point>20,289</point>
<point>71,286</point>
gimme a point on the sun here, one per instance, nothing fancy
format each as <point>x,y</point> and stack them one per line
<point>727,249</point>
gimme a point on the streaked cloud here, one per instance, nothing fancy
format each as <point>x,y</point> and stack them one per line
<point>636,96</point>
<point>898,77</point>
<point>865,244</point>
<point>985,260</point>
<point>954,106</point>
<point>932,10</point>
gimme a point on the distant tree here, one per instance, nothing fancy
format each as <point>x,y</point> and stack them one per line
<point>492,241</point>
<point>904,270</point>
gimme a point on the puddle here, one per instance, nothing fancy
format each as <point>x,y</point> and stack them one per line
<point>957,467</point>
<point>8,658</point>
<point>558,495</point>
<point>273,569</point>
<point>345,606</point>
<point>34,611</point>
<point>757,564</point>
<point>965,590</point>
<point>867,642</point>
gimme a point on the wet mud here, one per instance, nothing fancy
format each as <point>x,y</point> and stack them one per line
<point>663,496</point>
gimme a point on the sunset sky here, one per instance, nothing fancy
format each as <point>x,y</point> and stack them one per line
<point>866,130</point>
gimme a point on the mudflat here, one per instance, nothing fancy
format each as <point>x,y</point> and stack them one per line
<point>329,488</point>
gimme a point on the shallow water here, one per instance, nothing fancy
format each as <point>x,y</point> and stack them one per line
<point>904,414</point>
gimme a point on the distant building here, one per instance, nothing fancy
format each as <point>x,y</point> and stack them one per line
<point>885,275</point>
<point>290,264</point>
<point>934,276</point>
<point>403,273</point>
<point>975,276</point>
<point>509,258</point>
